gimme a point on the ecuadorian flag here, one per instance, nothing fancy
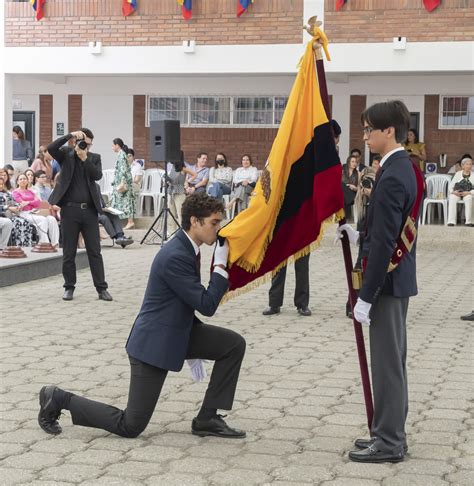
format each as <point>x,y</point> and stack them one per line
<point>340,4</point>
<point>128,7</point>
<point>299,190</point>
<point>38,8</point>
<point>242,6</point>
<point>186,8</point>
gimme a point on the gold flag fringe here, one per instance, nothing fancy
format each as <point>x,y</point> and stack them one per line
<point>336,217</point>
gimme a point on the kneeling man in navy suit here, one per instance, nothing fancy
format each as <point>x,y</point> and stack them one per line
<point>166,333</point>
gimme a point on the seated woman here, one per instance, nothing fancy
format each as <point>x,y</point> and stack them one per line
<point>43,162</point>
<point>350,182</point>
<point>461,187</point>
<point>245,179</point>
<point>220,178</point>
<point>14,230</point>
<point>415,148</point>
<point>457,166</point>
<point>198,182</point>
<point>47,226</point>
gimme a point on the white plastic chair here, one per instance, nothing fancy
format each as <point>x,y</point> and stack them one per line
<point>152,188</point>
<point>106,183</point>
<point>437,193</point>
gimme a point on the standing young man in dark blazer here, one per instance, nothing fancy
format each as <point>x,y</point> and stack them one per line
<point>75,192</point>
<point>383,298</point>
<point>166,333</point>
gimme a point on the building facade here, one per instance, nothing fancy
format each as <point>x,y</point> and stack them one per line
<point>226,78</point>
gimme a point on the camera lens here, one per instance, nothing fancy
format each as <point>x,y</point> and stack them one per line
<point>82,144</point>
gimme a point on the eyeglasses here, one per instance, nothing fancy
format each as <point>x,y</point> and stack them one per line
<point>368,130</point>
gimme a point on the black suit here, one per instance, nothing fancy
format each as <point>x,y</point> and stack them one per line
<point>76,219</point>
<point>165,333</point>
<point>391,202</point>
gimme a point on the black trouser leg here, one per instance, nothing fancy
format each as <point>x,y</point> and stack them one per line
<point>302,282</point>
<point>107,224</point>
<point>146,382</point>
<point>227,349</point>
<point>90,231</point>
<point>70,227</point>
<point>277,289</point>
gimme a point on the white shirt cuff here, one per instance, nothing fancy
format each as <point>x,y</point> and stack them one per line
<point>221,271</point>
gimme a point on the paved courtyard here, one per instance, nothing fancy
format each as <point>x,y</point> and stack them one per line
<point>299,395</point>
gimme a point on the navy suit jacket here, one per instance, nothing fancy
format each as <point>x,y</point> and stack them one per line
<point>391,202</point>
<point>160,334</point>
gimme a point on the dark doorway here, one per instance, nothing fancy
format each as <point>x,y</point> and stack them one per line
<point>415,121</point>
<point>26,120</point>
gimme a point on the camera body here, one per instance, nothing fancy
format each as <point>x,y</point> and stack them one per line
<point>367,183</point>
<point>81,144</point>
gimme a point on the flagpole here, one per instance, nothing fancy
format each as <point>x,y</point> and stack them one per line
<point>320,43</point>
<point>359,335</point>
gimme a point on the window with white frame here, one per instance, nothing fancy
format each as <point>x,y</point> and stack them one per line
<point>170,108</point>
<point>210,110</point>
<point>456,112</point>
<point>218,110</point>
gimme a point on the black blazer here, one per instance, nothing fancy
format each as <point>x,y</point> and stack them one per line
<point>391,202</point>
<point>160,334</point>
<point>67,158</point>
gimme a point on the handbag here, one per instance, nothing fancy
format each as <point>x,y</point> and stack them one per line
<point>122,187</point>
<point>464,185</point>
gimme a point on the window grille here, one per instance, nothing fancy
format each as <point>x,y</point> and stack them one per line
<point>456,112</point>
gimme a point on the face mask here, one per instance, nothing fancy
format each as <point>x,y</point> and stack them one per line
<point>220,161</point>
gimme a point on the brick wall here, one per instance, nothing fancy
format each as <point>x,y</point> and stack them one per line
<point>358,104</point>
<point>45,119</point>
<point>74,113</point>
<point>381,20</point>
<point>73,23</point>
<point>454,143</point>
<point>141,134</point>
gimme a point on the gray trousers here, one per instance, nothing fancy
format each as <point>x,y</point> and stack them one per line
<point>388,352</point>
<point>277,290</point>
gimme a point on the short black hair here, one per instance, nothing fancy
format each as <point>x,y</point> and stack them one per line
<point>377,157</point>
<point>356,150</point>
<point>387,114</point>
<point>465,156</point>
<point>130,151</point>
<point>39,173</point>
<point>201,206</point>
<point>10,167</point>
<point>200,154</point>
<point>87,133</point>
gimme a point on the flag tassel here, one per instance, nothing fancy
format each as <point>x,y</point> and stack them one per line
<point>359,335</point>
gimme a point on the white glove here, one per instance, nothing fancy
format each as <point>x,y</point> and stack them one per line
<point>221,252</point>
<point>198,372</point>
<point>352,234</point>
<point>361,312</point>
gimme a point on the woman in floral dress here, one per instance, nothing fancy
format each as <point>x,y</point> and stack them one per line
<point>123,198</point>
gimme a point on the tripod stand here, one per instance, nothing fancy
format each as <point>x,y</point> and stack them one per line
<point>161,221</point>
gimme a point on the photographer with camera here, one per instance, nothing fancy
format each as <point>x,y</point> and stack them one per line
<point>75,193</point>
<point>461,188</point>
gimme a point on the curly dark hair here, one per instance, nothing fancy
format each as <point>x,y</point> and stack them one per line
<point>201,206</point>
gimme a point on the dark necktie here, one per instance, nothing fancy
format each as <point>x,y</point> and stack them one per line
<point>198,262</point>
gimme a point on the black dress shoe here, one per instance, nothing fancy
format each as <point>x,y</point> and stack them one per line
<point>50,410</point>
<point>304,311</point>
<point>365,443</point>
<point>468,317</point>
<point>270,311</point>
<point>216,427</point>
<point>374,455</point>
<point>123,242</point>
<point>68,294</point>
<point>104,295</point>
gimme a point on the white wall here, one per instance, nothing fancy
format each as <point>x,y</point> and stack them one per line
<point>108,117</point>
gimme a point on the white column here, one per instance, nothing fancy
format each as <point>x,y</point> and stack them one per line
<point>341,108</point>
<point>6,95</point>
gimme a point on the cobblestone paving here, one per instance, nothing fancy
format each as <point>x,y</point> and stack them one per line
<point>299,395</point>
